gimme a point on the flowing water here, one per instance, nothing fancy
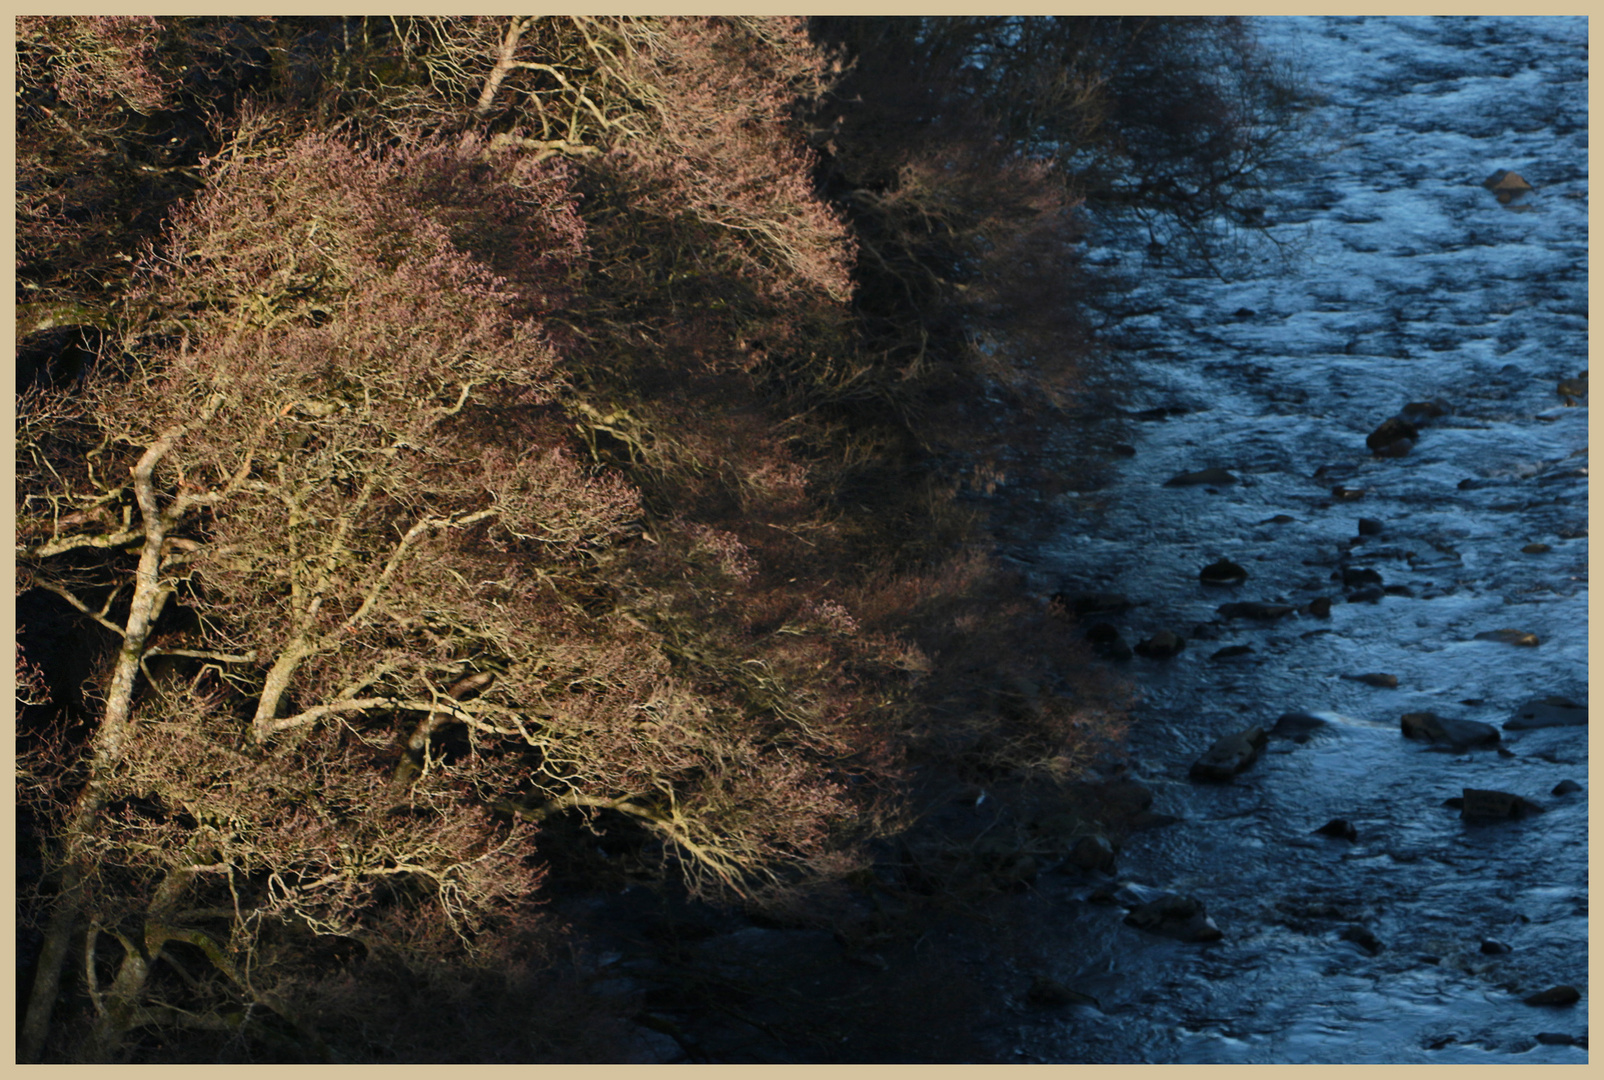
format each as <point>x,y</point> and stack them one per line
<point>1405,281</point>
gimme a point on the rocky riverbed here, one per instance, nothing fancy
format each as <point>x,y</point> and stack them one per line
<point>1332,526</point>
<point>1355,524</point>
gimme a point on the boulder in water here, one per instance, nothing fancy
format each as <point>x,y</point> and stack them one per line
<point>1507,184</point>
<point>1161,646</point>
<point>1370,527</point>
<point>1555,995</point>
<point>1319,607</point>
<point>1566,787</point>
<point>1459,734</point>
<point>1223,572</point>
<point>1536,549</point>
<point>1489,947</point>
<point>1093,853</point>
<point>1340,828</point>
<point>1204,476</point>
<point>1547,712</point>
<point>1229,756</point>
<point>1355,576</point>
<point>1297,726</point>
<point>1483,804</point>
<point>1231,652</point>
<point>1174,916</point>
<point>1376,678</point>
<point>1392,430</point>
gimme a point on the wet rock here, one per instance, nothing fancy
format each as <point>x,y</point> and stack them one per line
<point>1223,572</point>
<point>1392,430</point>
<point>1107,643</point>
<point>1459,734</point>
<point>1319,607</point>
<point>1555,995</point>
<point>1547,712</point>
<point>1398,590</point>
<point>1355,576</point>
<point>1370,527</point>
<point>1206,631</point>
<point>1093,603</point>
<point>1047,993</point>
<point>1347,494</point>
<point>1363,938</point>
<point>1174,916</point>
<point>1507,185</point>
<point>1396,449</point>
<point>1204,476</point>
<point>1254,609</point>
<point>1124,449</point>
<point>1566,787</point>
<point>1494,948</point>
<point>1481,803</point>
<point>1279,519</point>
<point>1161,646</point>
<point>1093,852</point>
<point>1229,756</point>
<point>1555,1038</point>
<point>1340,828</point>
<point>1536,549</point>
<point>1297,726</point>
<point>1509,637</point>
<point>1370,594</point>
<point>1244,313</point>
<point>1231,652</point>
<point>1376,678</point>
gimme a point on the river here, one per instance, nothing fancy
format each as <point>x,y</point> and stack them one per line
<point>1403,280</point>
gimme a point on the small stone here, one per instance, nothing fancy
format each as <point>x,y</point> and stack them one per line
<point>1347,494</point>
<point>1320,607</point>
<point>1124,449</point>
<point>1398,590</point>
<point>1204,476</point>
<point>1244,313</point>
<point>1494,948</point>
<point>1555,1038</point>
<point>1369,594</point>
<point>1231,651</point>
<point>1369,527</point>
<point>1223,572</point>
<point>1507,185</point>
<point>1396,449</point>
<point>1566,787</point>
<point>1376,678</point>
<point>1355,576</point>
<point>1536,549</point>
<point>1555,995</point>
<point>1392,430</point>
<point>1341,828</point>
<point>1509,637</point>
<point>1279,519</point>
